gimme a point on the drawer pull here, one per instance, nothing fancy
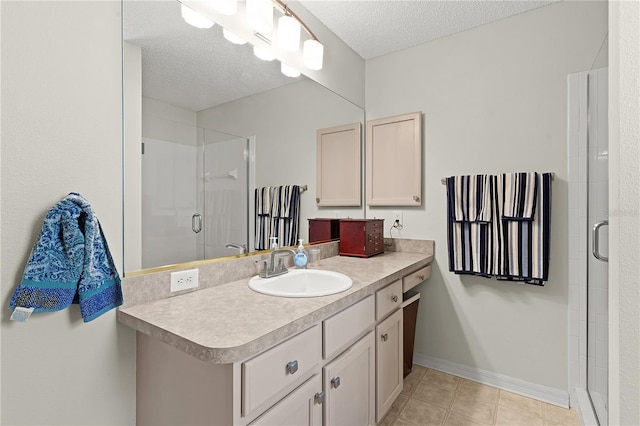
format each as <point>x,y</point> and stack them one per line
<point>292,367</point>
<point>421,277</point>
<point>394,298</point>
<point>335,383</point>
<point>385,337</point>
<point>320,397</point>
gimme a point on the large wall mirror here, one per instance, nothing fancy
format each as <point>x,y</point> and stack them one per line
<point>207,122</point>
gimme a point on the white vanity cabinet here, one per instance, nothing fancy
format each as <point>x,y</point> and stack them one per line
<point>345,369</point>
<point>302,407</point>
<point>388,347</point>
<point>349,384</point>
<point>389,362</point>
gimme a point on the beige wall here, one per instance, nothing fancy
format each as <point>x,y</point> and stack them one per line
<point>61,132</point>
<point>624,213</point>
<point>494,100</point>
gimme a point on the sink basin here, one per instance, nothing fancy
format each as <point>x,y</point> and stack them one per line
<point>302,283</point>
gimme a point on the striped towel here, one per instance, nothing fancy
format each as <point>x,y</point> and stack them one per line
<point>277,214</point>
<point>262,220</point>
<point>469,224</point>
<point>523,253</point>
<point>520,195</point>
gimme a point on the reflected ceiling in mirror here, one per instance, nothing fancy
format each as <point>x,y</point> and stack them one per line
<point>189,67</point>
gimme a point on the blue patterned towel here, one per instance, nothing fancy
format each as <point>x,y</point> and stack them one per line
<point>70,263</point>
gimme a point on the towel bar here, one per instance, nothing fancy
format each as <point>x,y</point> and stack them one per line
<point>444,179</point>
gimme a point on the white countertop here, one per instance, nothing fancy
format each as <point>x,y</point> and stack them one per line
<point>230,322</point>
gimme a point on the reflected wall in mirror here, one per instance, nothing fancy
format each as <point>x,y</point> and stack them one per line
<point>216,123</point>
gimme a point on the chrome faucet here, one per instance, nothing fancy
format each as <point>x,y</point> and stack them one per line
<point>273,269</point>
<point>242,248</point>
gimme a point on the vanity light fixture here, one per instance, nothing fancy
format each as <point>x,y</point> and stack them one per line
<point>263,54</point>
<point>232,37</point>
<point>194,18</point>
<point>260,15</point>
<point>288,33</point>
<point>226,7</point>
<point>289,71</point>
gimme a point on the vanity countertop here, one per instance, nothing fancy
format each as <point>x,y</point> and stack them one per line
<point>230,322</point>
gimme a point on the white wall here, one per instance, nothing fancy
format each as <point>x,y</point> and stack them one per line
<point>494,100</point>
<point>624,213</point>
<point>61,132</point>
<point>285,121</point>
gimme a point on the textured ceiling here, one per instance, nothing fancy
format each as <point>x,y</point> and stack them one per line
<point>376,28</point>
<point>197,69</point>
<point>189,67</point>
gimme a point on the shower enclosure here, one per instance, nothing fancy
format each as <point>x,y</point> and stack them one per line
<point>195,196</point>
<point>588,243</point>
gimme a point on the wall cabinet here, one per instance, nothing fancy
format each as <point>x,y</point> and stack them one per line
<point>394,161</point>
<point>338,168</point>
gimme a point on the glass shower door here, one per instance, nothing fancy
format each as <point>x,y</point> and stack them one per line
<point>598,215</point>
<point>224,192</point>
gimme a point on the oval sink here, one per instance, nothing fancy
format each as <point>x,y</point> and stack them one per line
<point>302,283</point>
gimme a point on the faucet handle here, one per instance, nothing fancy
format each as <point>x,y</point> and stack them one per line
<point>263,273</point>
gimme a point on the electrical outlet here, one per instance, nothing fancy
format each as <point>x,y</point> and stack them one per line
<point>184,280</point>
<point>397,217</point>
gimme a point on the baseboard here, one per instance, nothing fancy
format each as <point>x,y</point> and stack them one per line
<point>511,384</point>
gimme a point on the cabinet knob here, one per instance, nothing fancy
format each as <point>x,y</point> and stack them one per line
<point>292,367</point>
<point>421,277</point>
<point>317,200</point>
<point>394,298</point>
<point>335,382</point>
<point>416,198</point>
<point>384,337</point>
<point>319,397</point>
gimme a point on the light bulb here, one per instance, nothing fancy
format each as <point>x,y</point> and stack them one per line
<point>232,37</point>
<point>289,71</point>
<point>263,54</point>
<point>312,54</point>
<point>288,33</point>
<point>260,15</point>
<point>226,7</point>
<point>194,18</point>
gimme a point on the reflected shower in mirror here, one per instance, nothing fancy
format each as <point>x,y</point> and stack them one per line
<point>216,123</point>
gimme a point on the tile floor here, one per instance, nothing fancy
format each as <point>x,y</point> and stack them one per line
<point>431,397</point>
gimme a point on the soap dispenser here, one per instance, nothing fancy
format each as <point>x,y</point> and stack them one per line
<point>300,258</point>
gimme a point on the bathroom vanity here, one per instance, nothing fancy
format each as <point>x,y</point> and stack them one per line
<point>227,355</point>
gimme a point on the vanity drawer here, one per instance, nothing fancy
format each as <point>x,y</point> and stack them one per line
<point>415,278</point>
<point>270,372</point>
<point>388,299</point>
<point>345,326</point>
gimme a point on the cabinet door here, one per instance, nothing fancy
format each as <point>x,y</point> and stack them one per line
<point>300,408</point>
<point>349,386</point>
<point>394,161</point>
<point>389,362</point>
<point>338,166</point>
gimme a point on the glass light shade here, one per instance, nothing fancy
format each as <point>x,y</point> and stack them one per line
<point>226,7</point>
<point>232,37</point>
<point>263,54</point>
<point>289,71</point>
<point>288,33</point>
<point>260,15</point>
<point>312,54</point>
<point>194,18</point>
